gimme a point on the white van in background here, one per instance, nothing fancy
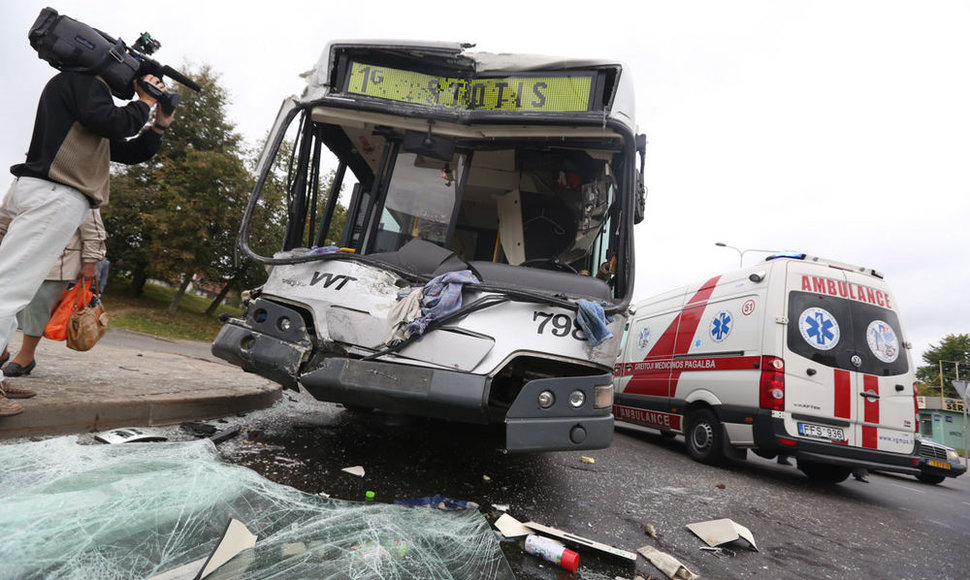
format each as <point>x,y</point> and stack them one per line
<point>796,356</point>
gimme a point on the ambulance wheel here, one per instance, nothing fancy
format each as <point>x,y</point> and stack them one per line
<point>703,437</point>
<point>824,472</point>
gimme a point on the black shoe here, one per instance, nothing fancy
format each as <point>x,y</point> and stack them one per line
<point>15,370</point>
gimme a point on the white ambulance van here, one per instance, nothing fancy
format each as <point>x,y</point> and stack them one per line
<point>796,356</point>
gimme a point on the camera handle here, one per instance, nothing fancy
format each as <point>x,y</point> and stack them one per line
<point>167,101</point>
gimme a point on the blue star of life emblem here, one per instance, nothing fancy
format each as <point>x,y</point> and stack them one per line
<point>721,325</point>
<point>819,328</point>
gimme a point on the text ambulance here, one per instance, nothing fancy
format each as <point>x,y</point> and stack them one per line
<point>796,356</point>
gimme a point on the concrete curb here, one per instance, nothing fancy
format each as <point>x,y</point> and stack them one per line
<point>130,380</point>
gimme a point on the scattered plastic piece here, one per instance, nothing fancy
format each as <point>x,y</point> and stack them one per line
<point>486,478</point>
<point>718,551</point>
<point>670,566</point>
<point>198,429</point>
<point>235,539</point>
<point>581,541</point>
<point>588,459</point>
<point>552,551</point>
<point>129,435</point>
<point>511,527</point>
<point>717,532</point>
<point>650,530</point>
<point>502,507</point>
<point>357,470</point>
<point>225,434</point>
<point>369,495</point>
<point>437,501</point>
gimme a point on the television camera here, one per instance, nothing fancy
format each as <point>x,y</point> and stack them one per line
<point>69,45</point>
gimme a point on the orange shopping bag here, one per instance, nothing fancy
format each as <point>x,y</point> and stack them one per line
<point>56,328</point>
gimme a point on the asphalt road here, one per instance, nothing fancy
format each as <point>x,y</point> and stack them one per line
<point>892,527</point>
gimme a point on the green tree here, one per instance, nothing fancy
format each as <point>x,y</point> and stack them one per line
<point>954,348</point>
<point>170,219</point>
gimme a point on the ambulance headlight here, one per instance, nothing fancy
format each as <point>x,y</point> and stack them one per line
<point>602,396</point>
<point>546,399</point>
<point>576,399</point>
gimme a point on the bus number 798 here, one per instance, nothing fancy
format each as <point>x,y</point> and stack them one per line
<point>561,324</point>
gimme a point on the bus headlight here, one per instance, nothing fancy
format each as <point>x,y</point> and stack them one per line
<point>546,399</point>
<point>576,399</point>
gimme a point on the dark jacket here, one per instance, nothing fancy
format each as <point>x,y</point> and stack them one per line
<point>79,131</point>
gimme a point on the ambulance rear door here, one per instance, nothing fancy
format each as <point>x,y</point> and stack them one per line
<point>838,388</point>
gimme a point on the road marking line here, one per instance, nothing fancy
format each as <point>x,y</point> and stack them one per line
<point>908,488</point>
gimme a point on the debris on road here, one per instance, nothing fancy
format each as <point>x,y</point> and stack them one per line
<point>552,551</point>
<point>130,435</point>
<point>650,530</point>
<point>225,434</point>
<point>502,507</point>
<point>581,541</point>
<point>717,532</point>
<point>511,527</point>
<point>198,428</point>
<point>670,566</point>
<point>588,459</point>
<point>438,501</point>
<point>357,470</point>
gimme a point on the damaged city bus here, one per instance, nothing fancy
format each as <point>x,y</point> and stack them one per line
<point>484,267</point>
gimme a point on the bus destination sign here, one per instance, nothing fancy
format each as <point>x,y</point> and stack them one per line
<point>548,93</point>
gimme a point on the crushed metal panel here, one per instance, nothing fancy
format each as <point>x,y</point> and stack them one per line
<point>717,532</point>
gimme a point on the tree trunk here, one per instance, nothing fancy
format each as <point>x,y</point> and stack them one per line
<point>222,296</point>
<point>173,306</point>
<point>138,280</point>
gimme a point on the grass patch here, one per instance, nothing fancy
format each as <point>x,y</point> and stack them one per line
<point>148,313</point>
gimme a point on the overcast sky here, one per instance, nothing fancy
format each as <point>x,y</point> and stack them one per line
<point>837,128</point>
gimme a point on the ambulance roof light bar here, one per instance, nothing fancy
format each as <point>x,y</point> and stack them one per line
<point>829,263</point>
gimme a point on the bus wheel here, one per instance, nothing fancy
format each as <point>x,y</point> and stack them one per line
<point>824,472</point>
<point>703,437</point>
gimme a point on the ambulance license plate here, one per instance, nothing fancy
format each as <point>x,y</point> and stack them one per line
<point>940,464</point>
<point>821,432</point>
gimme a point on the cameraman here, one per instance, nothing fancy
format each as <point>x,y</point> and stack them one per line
<point>78,131</point>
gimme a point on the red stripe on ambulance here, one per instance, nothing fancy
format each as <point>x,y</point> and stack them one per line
<point>676,339</point>
<point>843,394</point>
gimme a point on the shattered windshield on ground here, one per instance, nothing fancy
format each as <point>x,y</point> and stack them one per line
<point>145,509</point>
